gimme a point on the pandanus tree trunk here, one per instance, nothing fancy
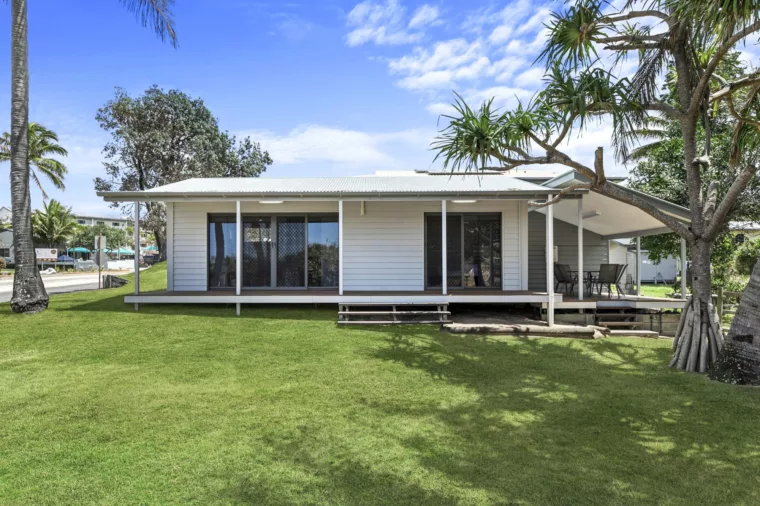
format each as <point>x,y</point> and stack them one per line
<point>699,337</point>
<point>29,294</point>
<point>739,361</point>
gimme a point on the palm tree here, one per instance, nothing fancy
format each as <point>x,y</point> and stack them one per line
<point>42,143</point>
<point>29,295</point>
<point>54,225</point>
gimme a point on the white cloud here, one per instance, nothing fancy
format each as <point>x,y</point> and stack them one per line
<point>500,34</point>
<point>318,143</point>
<point>381,23</point>
<point>442,66</point>
<point>425,15</point>
<point>531,78</point>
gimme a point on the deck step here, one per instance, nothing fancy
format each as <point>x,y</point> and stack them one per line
<point>621,324</point>
<point>634,333</point>
<point>388,322</point>
<point>392,312</point>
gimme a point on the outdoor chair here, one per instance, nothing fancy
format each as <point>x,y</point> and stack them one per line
<point>621,273</point>
<point>564,276</point>
<point>609,275</point>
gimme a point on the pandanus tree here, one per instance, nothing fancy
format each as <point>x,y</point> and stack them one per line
<point>586,41</point>
<point>29,295</point>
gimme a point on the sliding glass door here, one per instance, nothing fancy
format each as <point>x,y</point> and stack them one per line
<point>291,251</point>
<point>473,251</point>
<point>279,251</point>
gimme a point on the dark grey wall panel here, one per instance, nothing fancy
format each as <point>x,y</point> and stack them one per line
<point>595,249</point>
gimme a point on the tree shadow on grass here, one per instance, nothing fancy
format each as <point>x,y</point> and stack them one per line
<point>578,422</point>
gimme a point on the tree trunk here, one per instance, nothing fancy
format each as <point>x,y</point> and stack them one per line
<point>699,337</point>
<point>29,294</point>
<point>739,361</point>
<point>158,234</point>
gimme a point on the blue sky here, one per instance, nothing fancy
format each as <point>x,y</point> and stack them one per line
<point>329,88</point>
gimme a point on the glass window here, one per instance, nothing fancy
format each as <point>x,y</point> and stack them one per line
<point>101,223</point>
<point>81,222</point>
<point>482,251</point>
<point>114,223</point>
<point>221,251</point>
<point>5,252</point>
<point>323,251</point>
<point>291,251</point>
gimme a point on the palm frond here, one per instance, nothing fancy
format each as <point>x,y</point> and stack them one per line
<point>156,14</point>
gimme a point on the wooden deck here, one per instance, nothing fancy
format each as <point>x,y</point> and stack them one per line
<point>624,302</point>
<point>331,296</point>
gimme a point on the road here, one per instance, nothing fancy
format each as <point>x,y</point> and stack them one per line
<point>55,283</point>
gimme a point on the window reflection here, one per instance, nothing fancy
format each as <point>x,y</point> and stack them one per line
<point>323,251</point>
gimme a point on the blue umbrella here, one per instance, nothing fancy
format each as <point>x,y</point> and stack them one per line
<point>78,249</point>
<point>65,258</point>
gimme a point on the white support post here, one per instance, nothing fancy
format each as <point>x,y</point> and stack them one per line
<point>683,269</point>
<point>238,254</point>
<point>444,273</point>
<point>580,250</point>
<point>638,266</point>
<point>340,247</point>
<point>550,263</point>
<point>137,252</point>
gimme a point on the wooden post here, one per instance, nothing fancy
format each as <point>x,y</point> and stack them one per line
<point>638,266</point>
<point>550,263</point>
<point>238,254</point>
<point>580,249</point>
<point>444,273</point>
<point>719,305</point>
<point>683,269</point>
<point>340,247</point>
<point>137,252</point>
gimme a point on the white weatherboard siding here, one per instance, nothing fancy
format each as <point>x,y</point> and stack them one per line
<point>383,250</point>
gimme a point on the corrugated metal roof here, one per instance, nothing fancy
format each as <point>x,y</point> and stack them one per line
<point>349,185</point>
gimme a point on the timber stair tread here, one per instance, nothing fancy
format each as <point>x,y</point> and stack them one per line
<point>392,312</point>
<point>388,322</point>
<point>621,324</point>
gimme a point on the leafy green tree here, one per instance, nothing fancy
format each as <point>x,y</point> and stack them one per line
<point>693,37</point>
<point>54,225</point>
<point>42,144</point>
<point>162,137</point>
<point>29,295</point>
<point>115,237</point>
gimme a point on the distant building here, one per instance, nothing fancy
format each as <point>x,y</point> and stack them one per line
<point>6,236</point>
<point>91,221</point>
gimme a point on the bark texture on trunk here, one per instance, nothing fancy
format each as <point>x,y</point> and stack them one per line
<point>699,337</point>
<point>739,361</point>
<point>29,295</point>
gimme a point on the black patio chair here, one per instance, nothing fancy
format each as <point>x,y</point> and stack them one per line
<point>609,275</point>
<point>621,273</point>
<point>564,276</point>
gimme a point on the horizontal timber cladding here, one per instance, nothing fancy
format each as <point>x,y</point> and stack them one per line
<point>595,248</point>
<point>190,234</point>
<point>383,248</point>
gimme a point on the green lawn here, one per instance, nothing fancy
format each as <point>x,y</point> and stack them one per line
<point>100,404</point>
<point>660,290</point>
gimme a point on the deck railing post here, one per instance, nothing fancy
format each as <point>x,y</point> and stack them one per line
<point>638,266</point>
<point>719,304</point>
<point>550,263</point>
<point>444,273</point>
<point>340,247</point>
<point>137,252</point>
<point>580,249</point>
<point>683,269</point>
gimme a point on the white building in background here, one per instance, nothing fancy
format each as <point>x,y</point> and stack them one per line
<point>6,236</point>
<point>91,221</point>
<point>623,251</point>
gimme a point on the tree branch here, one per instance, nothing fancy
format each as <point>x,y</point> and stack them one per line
<point>730,87</point>
<point>736,189</point>
<point>613,191</point>
<point>561,194</point>
<point>616,18</point>
<point>717,57</point>
<point>666,108</point>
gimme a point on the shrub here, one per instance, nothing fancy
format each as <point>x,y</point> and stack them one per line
<point>747,256</point>
<point>2,263</point>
